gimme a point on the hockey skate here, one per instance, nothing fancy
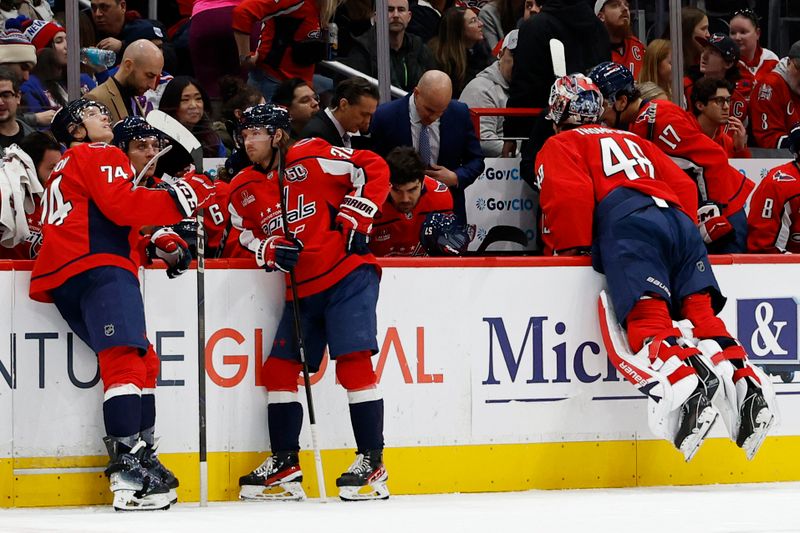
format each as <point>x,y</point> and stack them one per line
<point>156,468</point>
<point>365,479</point>
<point>696,418</point>
<point>278,478</point>
<point>134,487</point>
<point>755,421</point>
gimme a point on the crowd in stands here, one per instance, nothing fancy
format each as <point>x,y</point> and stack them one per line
<point>215,58</point>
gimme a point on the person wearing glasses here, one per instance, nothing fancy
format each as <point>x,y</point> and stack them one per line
<point>711,106</point>
<point>775,102</point>
<point>12,130</point>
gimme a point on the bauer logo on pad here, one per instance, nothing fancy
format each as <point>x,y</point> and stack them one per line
<point>767,328</point>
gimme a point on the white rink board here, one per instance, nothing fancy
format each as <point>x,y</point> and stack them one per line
<point>446,375</point>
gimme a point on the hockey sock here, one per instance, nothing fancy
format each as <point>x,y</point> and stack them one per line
<point>122,413</point>
<point>697,308</point>
<point>284,420</point>
<point>148,420</point>
<point>648,318</point>
<point>367,420</point>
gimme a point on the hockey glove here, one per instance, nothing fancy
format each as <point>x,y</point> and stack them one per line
<point>167,245</point>
<point>191,192</point>
<point>714,227</point>
<point>278,253</point>
<point>442,235</point>
<point>355,222</point>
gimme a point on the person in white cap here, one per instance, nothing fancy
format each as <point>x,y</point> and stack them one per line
<point>626,49</point>
<point>490,89</point>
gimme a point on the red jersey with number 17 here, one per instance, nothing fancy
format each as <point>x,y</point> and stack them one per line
<point>577,169</point>
<point>91,215</point>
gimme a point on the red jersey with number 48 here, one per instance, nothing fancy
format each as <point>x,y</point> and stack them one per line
<point>91,215</point>
<point>773,224</point>
<point>317,178</point>
<point>577,169</point>
<point>396,233</point>
<point>674,131</point>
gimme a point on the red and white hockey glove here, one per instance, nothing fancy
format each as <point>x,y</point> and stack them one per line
<point>191,192</point>
<point>278,253</point>
<point>167,245</point>
<point>714,227</point>
<point>355,221</point>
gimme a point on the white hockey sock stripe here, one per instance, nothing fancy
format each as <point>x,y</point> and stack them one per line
<point>148,391</point>
<point>364,395</point>
<point>281,396</point>
<point>123,389</point>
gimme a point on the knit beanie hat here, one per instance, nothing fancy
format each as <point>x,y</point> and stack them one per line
<point>41,33</point>
<point>15,48</point>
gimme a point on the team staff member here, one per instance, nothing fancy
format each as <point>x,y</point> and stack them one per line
<point>332,196</point>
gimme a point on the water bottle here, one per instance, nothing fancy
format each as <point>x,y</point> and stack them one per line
<point>333,40</point>
<point>98,58</point>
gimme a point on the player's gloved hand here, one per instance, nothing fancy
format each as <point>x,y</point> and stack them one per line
<point>169,246</point>
<point>355,222</point>
<point>441,234</point>
<point>191,192</point>
<point>714,227</point>
<point>278,253</point>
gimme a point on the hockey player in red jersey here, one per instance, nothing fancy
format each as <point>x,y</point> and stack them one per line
<point>722,190</point>
<point>615,196</point>
<point>774,218</point>
<point>88,266</point>
<point>415,204</point>
<point>332,195</point>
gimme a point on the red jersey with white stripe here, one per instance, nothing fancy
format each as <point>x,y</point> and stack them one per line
<point>676,132</point>
<point>773,109</point>
<point>396,233</point>
<point>228,236</point>
<point>630,54</point>
<point>317,178</point>
<point>577,169</point>
<point>91,216</point>
<point>286,27</point>
<point>763,61</point>
<point>773,224</point>
<point>29,247</point>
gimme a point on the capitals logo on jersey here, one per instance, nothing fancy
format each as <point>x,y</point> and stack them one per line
<point>782,176</point>
<point>765,92</point>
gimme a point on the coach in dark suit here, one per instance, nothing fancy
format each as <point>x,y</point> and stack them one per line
<point>354,102</point>
<point>440,130</point>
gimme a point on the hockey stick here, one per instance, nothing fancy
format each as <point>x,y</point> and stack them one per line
<point>149,164</point>
<point>181,135</point>
<point>558,58</point>
<point>298,330</point>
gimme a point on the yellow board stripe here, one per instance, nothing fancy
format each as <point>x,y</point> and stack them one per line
<point>428,470</point>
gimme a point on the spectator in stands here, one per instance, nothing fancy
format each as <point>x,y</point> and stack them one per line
<point>426,16</point>
<point>354,103</point>
<point>236,97</point>
<point>775,103</point>
<point>657,65</point>
<point>302,102</point>
<point>532,7</point>
<point>711,105</point>
<point>409,56</point>
<point>46,88</point>
<point>694,24</point>
<point>138,72</point>
<point>626,49</point>
<point>720,60</point>
<point>651,91</point>
<point>754,60</point>
<point>35,9</point>
<point>185,100</point>
<point>12,130</point>
<point>500,17</point>
<point>490,89</point>
<point>439,129</point>
<point>773,224</point>
<point>17,53</point>
<point>459,49</point>
<point>116,28</point>
<point>211,43</point>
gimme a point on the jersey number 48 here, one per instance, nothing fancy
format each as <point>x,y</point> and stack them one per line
<point>616,160</point>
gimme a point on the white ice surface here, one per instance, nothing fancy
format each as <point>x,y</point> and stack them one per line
<point>768,507</point>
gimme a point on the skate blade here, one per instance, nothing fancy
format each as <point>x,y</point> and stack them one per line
<point>375,491</point>
<point>764,422</point>
<point>124,500</point>
<point>283,492</point>
<point>692,442</point>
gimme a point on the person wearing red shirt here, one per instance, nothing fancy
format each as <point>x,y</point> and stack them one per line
<point>331,195</point>
<point>775,103</point>
<point>617,197</point>
<point>88,265</point>
<point>626,49</point>
<point>754,60</point>
<point>711,104</point>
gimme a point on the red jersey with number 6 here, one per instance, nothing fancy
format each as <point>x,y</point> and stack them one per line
<point>91,215</point>
<point>317,178</point>
<point>577,169</point>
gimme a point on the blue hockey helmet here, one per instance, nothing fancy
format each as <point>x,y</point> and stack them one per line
<point>268,116</point>
<point>71,115</point>
<point>613,80</point>
<point>134,128</point>
<point>575,99</point>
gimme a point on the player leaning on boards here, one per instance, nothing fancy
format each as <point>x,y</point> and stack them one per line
<point>613,195</point>
<point>88,267</point>
<point>332,195</point>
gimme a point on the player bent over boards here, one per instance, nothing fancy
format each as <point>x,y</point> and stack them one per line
<point>88,267</point>
<point>613,195</point>
<point>331,197</point>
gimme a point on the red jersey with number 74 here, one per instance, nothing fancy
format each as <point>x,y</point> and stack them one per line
<point>577,169</point>
<point>91,215</point>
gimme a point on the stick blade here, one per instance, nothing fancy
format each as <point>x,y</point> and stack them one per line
<point>558,57</point>
<point>179,133</point>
